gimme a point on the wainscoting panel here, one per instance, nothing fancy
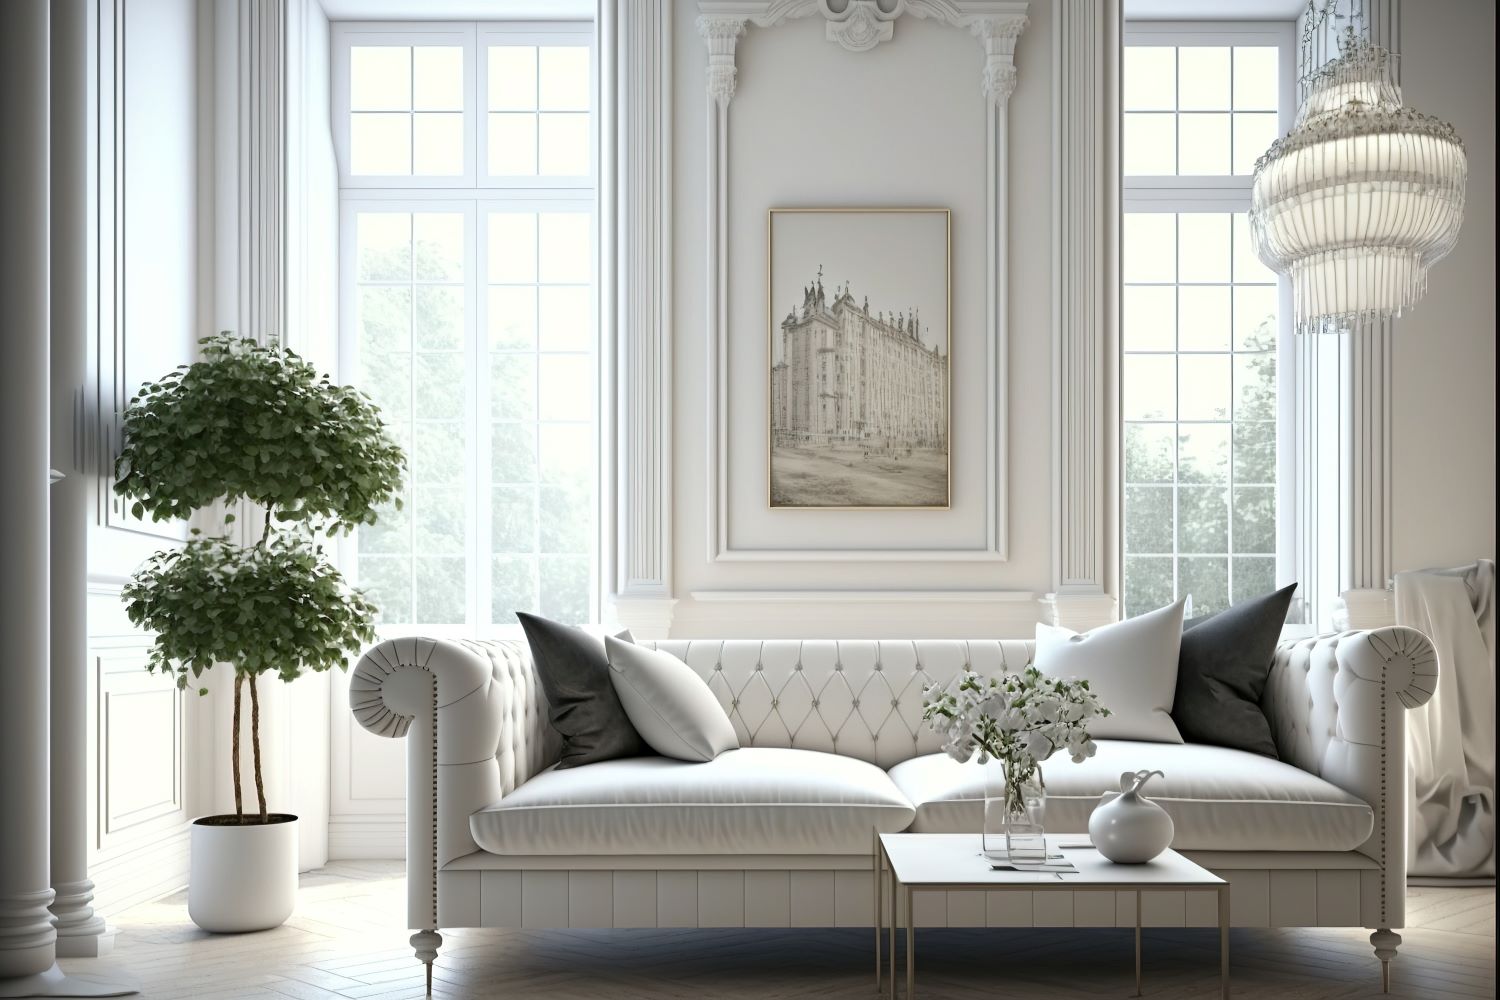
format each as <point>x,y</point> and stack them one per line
<point>367,786</point>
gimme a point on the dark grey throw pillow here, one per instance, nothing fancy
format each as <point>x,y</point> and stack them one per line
<point>1222,669</point>
<point>581,701</point>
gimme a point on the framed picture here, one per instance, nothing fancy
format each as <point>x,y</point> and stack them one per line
<point>859,307</point>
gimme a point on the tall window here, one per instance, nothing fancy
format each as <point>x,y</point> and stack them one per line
<point>1201,317</point>
<point>467,168</point>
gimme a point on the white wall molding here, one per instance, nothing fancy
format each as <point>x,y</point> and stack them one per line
<point>643,259</point>
<point>1085,208</point>
<point>996,24</point>
<point>839,614</point>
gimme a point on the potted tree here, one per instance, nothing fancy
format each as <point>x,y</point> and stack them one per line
<point>256,424</point>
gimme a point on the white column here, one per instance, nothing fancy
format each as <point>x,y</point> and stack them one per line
<point>80,932</point>
<point>643,257</point>
<point>1085,235</point>
<point>27,938</point>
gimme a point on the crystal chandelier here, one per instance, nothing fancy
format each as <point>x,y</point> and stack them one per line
<point>1363,195</point>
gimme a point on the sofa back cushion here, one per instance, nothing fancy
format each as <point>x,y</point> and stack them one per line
<point>860,698</point>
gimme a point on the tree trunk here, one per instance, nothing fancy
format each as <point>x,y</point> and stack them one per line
<point>260,785</point>
<point>234,752</point>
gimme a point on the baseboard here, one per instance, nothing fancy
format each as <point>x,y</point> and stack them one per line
<point>352,838</point>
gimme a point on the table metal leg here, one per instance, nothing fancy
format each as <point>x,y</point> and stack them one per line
<point>1137,943</point>
<point>911,948</point>
<point>1224,940</point>
<point>895,916</point>
<point>878,916</point>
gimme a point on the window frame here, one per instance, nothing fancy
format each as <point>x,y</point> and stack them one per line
<point>474,194</point>
<point>1190,194</point>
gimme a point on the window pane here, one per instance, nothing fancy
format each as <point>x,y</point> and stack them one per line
<point>512,247</point>
<point>512,145</point>
<point>1203,78</point>
<point>1148,519</point>
<point>565,522</point>
<point>391,532</point>
<point>1253,135</point>
<point>513,387</point>
<point>512,317</point>
<point>438,78</point>
<point>1206,579</point>
<point>1148,318</point>
<point>512,78</point>
<point>565,248</point>
<point>439,387</point>
<point>1150,453</point>
<point>438,514</point>
<point>384,319</point>
<point>439,239</point>
<point>1150,386</point>
<point>1150,144</point>
<point>567,453</point>
<point>438,318</point>
<point>386,378</point>
<point>439,144</point>
<point>513,449</point>
<point>1204,248</point>
<point>388,583</point>
<point>1149,247</point>
<point>1202,520</point>
<point>1254,576</point>
<point>565,391</point>
<point>379,78</point>
<point>379,144</point>
<point>437,456</point>
<point>441,585</point>
<point>513,521</point>
<point>383,240</point>
<point>563,145</point>
<point>1255,452</point>
<point>1254,317</point>
<point>1148,583</point>
<point>513,583</point>
<point>1204,317</point>
<point>565,588</point>
<point>1150,78</point>
<point>564,75</point>
<point>1203,144</point>
<point>1203,387</point>
<point>1256,83</point>
<point>1255,519</point>
<point>565,323</point>
<point>1203,453</point>
<point>1255,386</point>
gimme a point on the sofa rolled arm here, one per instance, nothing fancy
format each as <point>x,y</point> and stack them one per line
<point>1337,708</point>
<point>474,719</point>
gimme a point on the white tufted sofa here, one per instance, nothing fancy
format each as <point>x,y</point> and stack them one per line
<point>1317,840</point>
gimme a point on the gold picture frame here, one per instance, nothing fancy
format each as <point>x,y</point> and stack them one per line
<point>863,446</point>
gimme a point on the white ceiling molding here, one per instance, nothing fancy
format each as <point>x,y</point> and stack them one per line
<point>458,10</point>
<point>1213,10</point>
<point>997,24</point>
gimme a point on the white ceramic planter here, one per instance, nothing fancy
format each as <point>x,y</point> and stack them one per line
<point>243,878</point>
<point>1128,828</point>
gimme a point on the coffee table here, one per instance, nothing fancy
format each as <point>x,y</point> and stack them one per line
<point>909,863</point>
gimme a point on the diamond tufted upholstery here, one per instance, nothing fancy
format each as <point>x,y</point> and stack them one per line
<point>475,720</point>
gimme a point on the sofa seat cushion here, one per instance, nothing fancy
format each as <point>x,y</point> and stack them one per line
<point>754,800</point>
<point>1219,799</point>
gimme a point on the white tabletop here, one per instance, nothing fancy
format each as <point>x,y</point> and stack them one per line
<point>953,859</point>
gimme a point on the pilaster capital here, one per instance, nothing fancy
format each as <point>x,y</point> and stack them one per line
<point>998,36</point>
<point>722,33</point>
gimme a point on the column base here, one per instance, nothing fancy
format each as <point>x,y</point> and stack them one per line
<point>94,945</point>
<point>53,983</point>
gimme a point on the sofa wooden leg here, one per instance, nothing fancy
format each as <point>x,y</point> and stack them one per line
<point>1386,942</point>
<point>427,943</point>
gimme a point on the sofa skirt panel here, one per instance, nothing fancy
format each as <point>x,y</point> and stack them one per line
<point>1344,893</point>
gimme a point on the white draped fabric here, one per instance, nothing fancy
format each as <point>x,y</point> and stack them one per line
<point>1451,739</point>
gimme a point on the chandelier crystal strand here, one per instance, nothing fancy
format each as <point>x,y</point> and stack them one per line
<point>1363,196</point>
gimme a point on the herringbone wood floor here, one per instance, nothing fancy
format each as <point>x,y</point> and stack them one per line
<point>347,940</point>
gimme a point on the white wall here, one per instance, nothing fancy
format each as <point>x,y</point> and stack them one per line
<point>1443,385</point>
<point>148,269</point>
<point>904,124</point>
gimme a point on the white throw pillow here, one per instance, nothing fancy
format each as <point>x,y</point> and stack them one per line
<point>1131,666</point>
<point>669,705</point>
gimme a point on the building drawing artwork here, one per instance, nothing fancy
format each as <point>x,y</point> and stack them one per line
<point>852,376</point>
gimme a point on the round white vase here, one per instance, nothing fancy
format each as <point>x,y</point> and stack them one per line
<point>242,878</point>
<point>1128,828</point>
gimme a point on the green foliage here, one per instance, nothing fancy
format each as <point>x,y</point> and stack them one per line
<point>255,423</point>
<point>278,607</point>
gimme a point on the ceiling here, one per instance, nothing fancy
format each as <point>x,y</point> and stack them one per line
<point>1213,10</point>
<point>457,10</point>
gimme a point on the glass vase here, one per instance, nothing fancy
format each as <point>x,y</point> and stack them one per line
<point>1015,812</point>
